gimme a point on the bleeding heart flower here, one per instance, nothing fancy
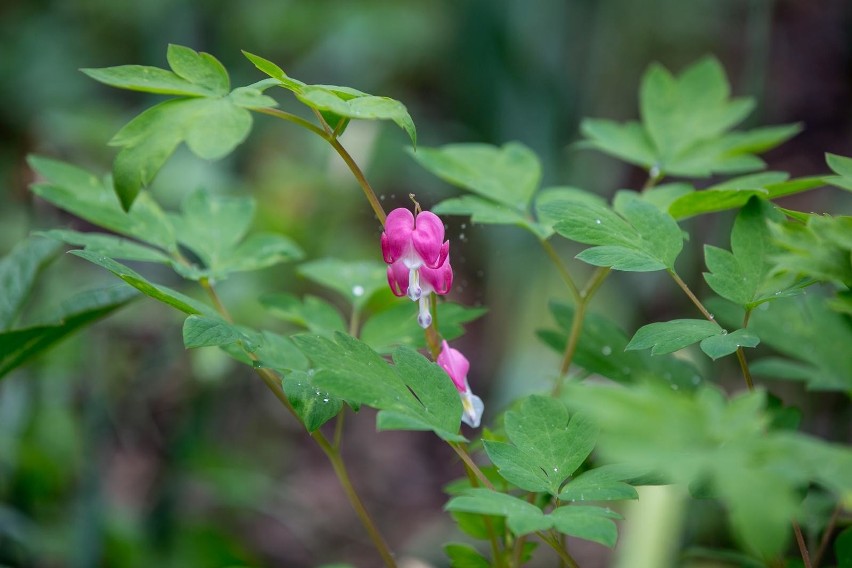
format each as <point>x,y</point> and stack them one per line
<point>414,242</point>
<point>426,280</point>
<point>456,366</point>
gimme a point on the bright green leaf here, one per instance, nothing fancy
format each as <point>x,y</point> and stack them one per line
<point>670,336</point>
<point>312,313</point>
<point>202,331</point>
<point>465,556</point>
<point>589,523</point>
<point>398,325</point>
<point>628,141</point>
<point>147,79</point>
<point>522,517</point>
<point>198,68</point>
<point>356,281</point>
<point>717,346</point>
<point>313,406</point>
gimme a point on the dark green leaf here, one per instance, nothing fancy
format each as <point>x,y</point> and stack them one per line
<point>156,291</point>
<point>356,281</point>
<point>717,346</point>
<point>108,245</point>
<point>19,345</point>
<point>669,336</point>
<point>312,313</point>
<point>843,548</point>
<point>83,194</point>
<point>589,523</point>
<point>18,272</point>
<point>465,556</point>
<point>599,484</point>
<point>313,406</point>
<point>202,331</point>
<point>516,467</point>
<point>507,175</point>
<point>522,517</point>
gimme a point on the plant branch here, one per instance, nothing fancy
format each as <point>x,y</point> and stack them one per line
<point>465,457</point>
<point>826,535</point>
<point>563,554</point>
<point>563,270</point>
<point>692,297</point>
<point>803,549</point>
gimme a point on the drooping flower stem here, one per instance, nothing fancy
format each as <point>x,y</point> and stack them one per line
<point>331,138</point>
<point>332,451</point>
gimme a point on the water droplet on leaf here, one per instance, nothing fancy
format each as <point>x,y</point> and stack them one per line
<point>606,350</point>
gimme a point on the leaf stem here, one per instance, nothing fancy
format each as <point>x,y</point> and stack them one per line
<point>489,526</point>
<point>563,270</point>
<point>692,297</point>
<point>803,549</point>
<point>330,137</point>
<point>214,297</point>
<point>584,298</point>
<point>826,535</point>
<point>563,554</point>
<point>465,457</point>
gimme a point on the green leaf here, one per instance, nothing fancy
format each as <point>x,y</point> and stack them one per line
<point>545,197</point>
<point>670,336</point>
<point>522,517</point>
<point>547,447</point>
<point>599,484</point>
<point>198,68</point>
<point>843,548</point>
<point>508,175</point>
<point>465,556</point>
<point>481,210</point>
<point>637,236</point>
<point>601,350</point>
<point>629,141</point>
<point>398,325</point>
<point>842,166</point>
<point>356,281</point>
<point>147,79</point>
<point>820,250</point>
<point>156,291</point>
<point>413,394</point>
<point>19,345</point>
<point>18,272</point>
<point>312,313</point>
<point>313,406</point>
<point>804,328</point>
<point>108,245</point>
<point>202,331</point>
<point>717,346</point>
<point>589,523</point>
<point>274,71</point>
<point>81,193</point>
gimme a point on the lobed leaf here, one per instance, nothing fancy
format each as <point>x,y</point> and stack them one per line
<point>18,272</point>
<point>356,281</point>
<point>670,336</point>
<point>313,406</point>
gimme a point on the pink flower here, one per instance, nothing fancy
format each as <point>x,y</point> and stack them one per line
<point>426,280</point>
<point>456,366</point>
<point>417,257</point>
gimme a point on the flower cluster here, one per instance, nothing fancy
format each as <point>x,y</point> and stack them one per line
<point>418,258</point>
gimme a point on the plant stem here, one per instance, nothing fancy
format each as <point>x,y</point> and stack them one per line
<point>803,549</point>
<point>692,297</point>
<point>489,526</point>
<point>563,554</point>
<point>826,535</point>
<point>584,298</point>
<point>744,367</point>
<point>462,453</point>
<point>563,270</point>
<point>330,137</point>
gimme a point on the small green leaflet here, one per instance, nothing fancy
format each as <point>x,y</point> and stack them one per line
<point>686,126</point>
<point>18,272</point>
<point>312,405</point>
<point>669,336</point>
<point>586,522</point>
<point>635,236</point>
<point>19,345</point>
<point>211,120</point>
<point>842,166</point>
<point>311,313</point>
<point>820,250</point>
<point>203,331</point>
<point>339,104</point>
<point>743,275</point>
<point>412,394</point>
<point>603,483</point>
<point>465,556</point>
<point>546,448</point>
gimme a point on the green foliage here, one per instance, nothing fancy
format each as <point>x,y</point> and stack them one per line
<point>820,249</point>
<point>312,313</point>
<point>842,166</point>
<point>18,272</point>
<point>20,344</point>
<point>339,104</point>
<point>669,336</point>
<point>465,556</point>
<point>586,522</point>
<point>803,328</point>
<point>355,281</point>
<point>413,394</point>
<point>313,406</point>
<point>398,325</point>
<point>717,346</point>
<point>723,444</point>
<point>736,192</point>
<point>201,331</point>
<point>210,119</point>
<point>685,128</point>
<point>601,350</point>
<point>546,449</point>
<point>633,236</point>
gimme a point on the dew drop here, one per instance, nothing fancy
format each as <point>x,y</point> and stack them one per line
<point>464,225</point>
<point>358,290</point>
<point>712,317</point>
<point>325,400</point>
<point>724,332</point>
<point>555,469</point>
<point>696,379</point>
<point>598,221</point>
<point>606,350</point>
<point>462,237</point>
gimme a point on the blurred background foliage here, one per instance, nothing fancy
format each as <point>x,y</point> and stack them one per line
<point>120,449</point>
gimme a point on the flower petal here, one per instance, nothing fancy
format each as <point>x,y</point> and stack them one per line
<point>398,278</point>
<point>473,407</point>
<point>455,365</point>
<point>396,238</point>
<point>437,280</point>
<point>428,239</point>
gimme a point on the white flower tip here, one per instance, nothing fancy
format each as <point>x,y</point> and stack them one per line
<point>424,319</point>
<point>473,409</point>
<point>414,293</point>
